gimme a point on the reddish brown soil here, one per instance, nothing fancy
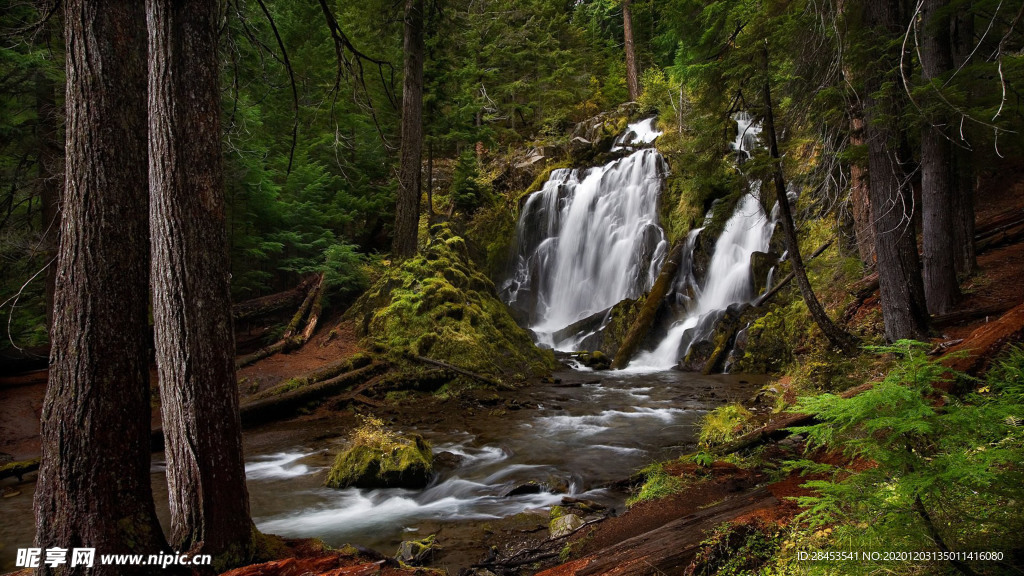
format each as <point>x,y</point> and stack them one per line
<point>326,346</point>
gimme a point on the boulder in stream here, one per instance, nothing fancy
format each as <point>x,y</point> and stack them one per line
<point>565,525</point>
<point>417,552</point>
<point>380,458</point>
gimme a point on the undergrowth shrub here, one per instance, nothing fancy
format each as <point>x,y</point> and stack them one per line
<point>926,471</point>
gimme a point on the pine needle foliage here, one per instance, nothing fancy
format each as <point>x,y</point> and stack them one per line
<point>928,470</point>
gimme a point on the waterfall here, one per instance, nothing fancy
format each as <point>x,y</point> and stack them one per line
<point>587,240</point>
<point>729,278</point>
<point>728,281</point>
<point>590,238</point>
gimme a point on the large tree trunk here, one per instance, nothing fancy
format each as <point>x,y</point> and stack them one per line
<point>407,205</point>
<point>50,172</point>
<point>863,229</point>
<point>94,480</point>
<point>899,267</point>
<point>632,72</point>
<point>838,337</point>
<point>941,288</point>
<point>962,44</point>
<point>191,297</point>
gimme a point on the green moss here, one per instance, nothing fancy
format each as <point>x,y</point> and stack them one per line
<point>379,458</point>
<point>658,484</point>
<point>724,424</point>
<point>438,305</point>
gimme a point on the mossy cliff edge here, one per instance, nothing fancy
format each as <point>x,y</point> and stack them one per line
<point>438,305</point>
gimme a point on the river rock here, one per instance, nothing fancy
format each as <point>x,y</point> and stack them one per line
<point>447,460</point>
<point>405,463</point>
<point>531,487</point>
<point>417,552</point>
<point>565,525</point>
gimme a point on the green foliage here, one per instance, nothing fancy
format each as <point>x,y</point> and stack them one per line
<point>469,191</point>
<point>723,424</point>
<point>937,463</point>
<point>737,549</point>
<point>658,483</point>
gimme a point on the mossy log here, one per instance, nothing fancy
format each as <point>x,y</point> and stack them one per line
<point>778,428</point>
<point>18,469</point>
<point>319,375</point>
<point>480,377</point>
<point>642,324</point>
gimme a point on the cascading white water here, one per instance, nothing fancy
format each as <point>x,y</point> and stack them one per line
<point>587,240</point>
<point>728,280</point>
<point>729,276</point>
<point>637,134</point>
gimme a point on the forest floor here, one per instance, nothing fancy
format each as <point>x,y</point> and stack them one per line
<point>650,536</point>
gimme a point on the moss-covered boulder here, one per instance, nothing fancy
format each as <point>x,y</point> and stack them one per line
<point>417,552</point>
<point>438,305</point>
<point>380,458</point>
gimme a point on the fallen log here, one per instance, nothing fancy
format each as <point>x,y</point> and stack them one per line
<point>286,403</point>
<point>18,469</point>
<point>319,375</point>
<point>975,352</point>
<point>778,428</point>
<point>998,223</point>
<point>789,277</point>
<point>1008,235</point>
<point>640,327</point>
<point>283,405</point>
<point>456,369</point>
<point>288,340</point>
<point>272,303</point>
<point>968,315</point>
<point>668,548</point>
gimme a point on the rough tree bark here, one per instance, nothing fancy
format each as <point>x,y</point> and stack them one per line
<point>962,44</point>
<point>407,205</point>
<point>863,230</point>
<point>942,291</point>
<point>195,349</point>
<point>94,484</point>
<point>899,267</point>
<point>632,72</point>
<point>50,171</point>
<point>838,337</point>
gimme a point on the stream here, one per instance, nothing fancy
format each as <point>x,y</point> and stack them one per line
<point>573,438</point>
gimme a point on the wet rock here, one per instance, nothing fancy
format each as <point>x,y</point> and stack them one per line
<point>583,505</point>
<point>761,264</point>
<point>447,460</point>
<point>417,552</point>
<point>565,525</point>
<point>531,487</point>
<point>595,360</point>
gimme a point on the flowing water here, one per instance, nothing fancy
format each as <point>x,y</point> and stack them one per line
<point>591,238</point>
<point>575,438</point>
<point>588,239</point>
